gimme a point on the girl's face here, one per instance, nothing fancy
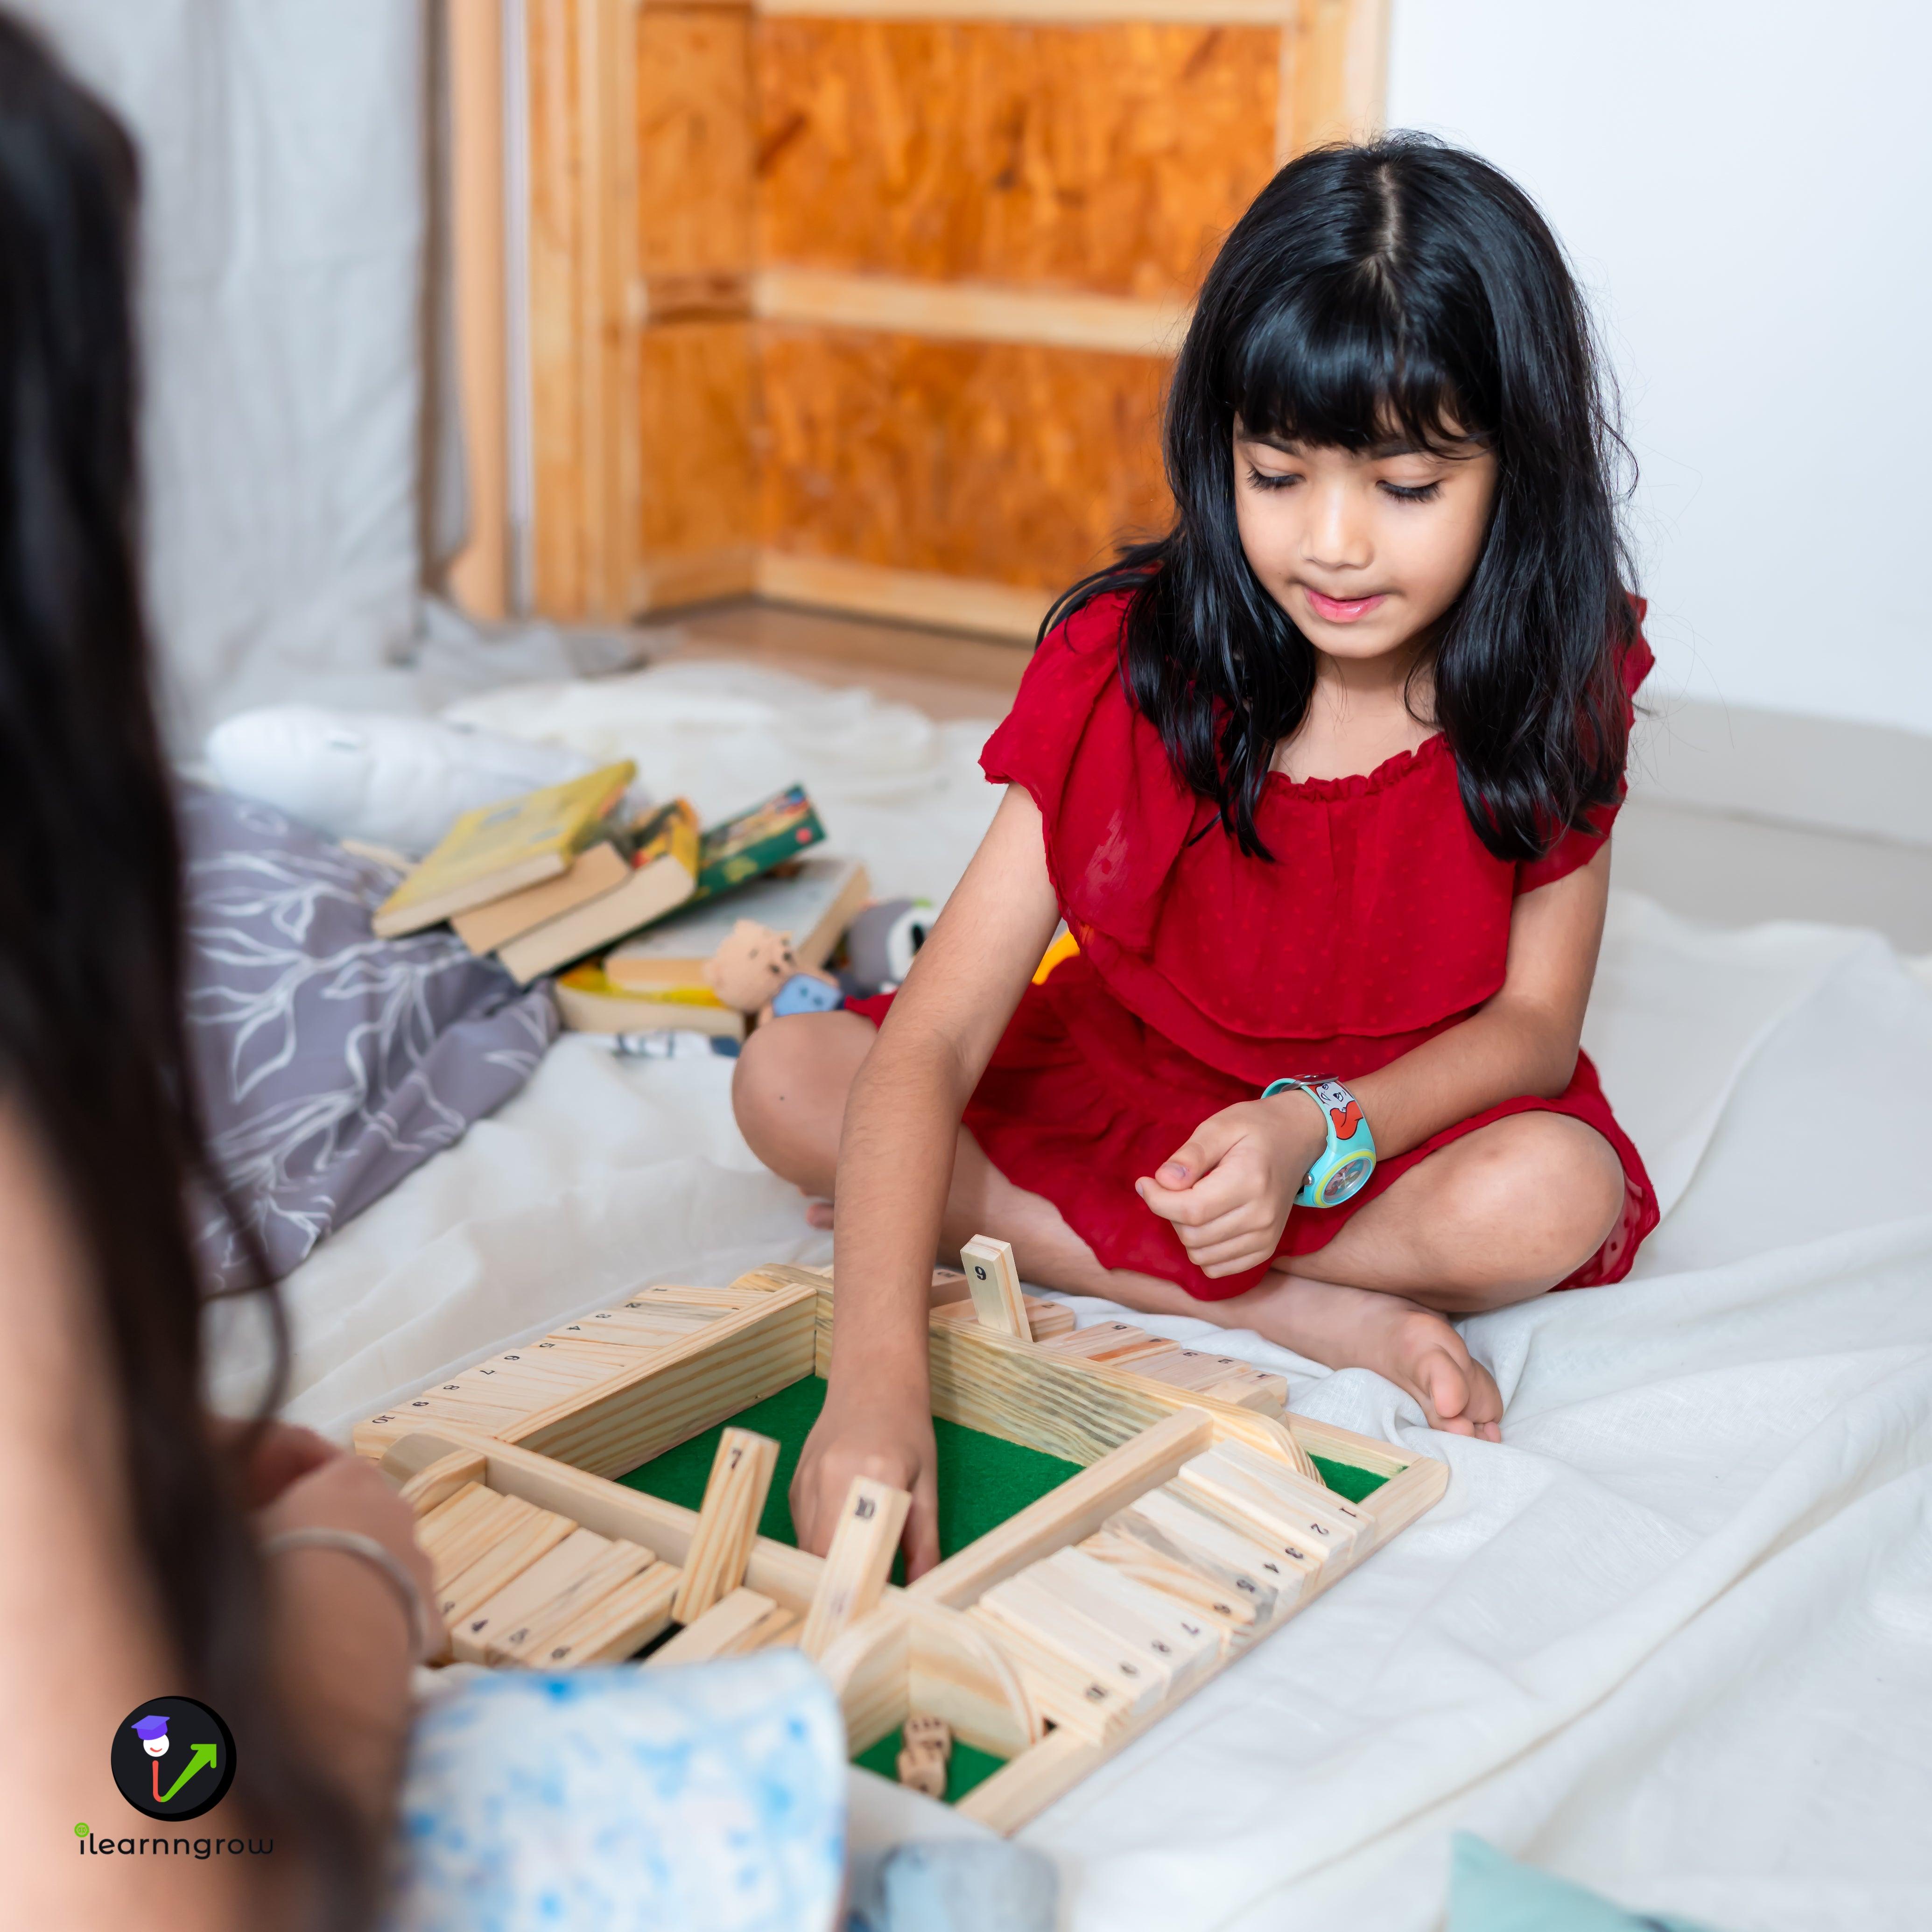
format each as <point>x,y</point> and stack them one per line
<point>1365,552</point>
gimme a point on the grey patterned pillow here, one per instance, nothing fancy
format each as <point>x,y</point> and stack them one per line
<point>329,1062</point>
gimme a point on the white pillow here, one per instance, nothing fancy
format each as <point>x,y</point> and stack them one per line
<point>385,780</point>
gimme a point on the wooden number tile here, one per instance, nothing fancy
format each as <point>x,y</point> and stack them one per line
<point>1046,1318</point>
<point>1064,1687</point>
<point>1312,1495</point>
<point>436,1524</point>
<point>994,1283</point>
<point>534,1535</point>
<point>1185,1643</point>
<point>524,1639</point>
<point>727,1521</point>
<point>923,1770</point>
<point>453,1542</point>
<point>1028,1603</point>
<point>554,1376</point>
<point>856,1565</point>
<point>1291,1556</point>
<point>1249,1387</point>
<point>1220,1484</point>
<point>615,1627</point>
<point>1232,1611</point>
<point>1119,1344</point>
<point>572,1360</point>
<point>520,1599</point>
<point>1226,1377</point>
<point>725,1301</point>
<point>741,1621</point>
<point>1169,1523</point>
<point>640,1328</point>
<point>452,1402</point>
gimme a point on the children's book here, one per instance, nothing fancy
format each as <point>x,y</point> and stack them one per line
<point>812,900</point>
<point>500,849</point>
<point>662,874</point>
<point>596,870</point>
<point>589,1003</point>
<point>741,848</point>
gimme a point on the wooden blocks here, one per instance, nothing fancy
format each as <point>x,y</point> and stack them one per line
<point>1195,1524</point>
<point>870,1522</point>
<point>1275,1580</point>
<point>1119,1344</point>
<point>739,1623</point>
<point>616,1626</point>
<point>1045,1318</point>
<point>618,1386</point>
<point>511,1607</point>
<point>741,1477</point>
<point>995,1284</point>
<point>533,1635</point>
<point>1279,1506</point>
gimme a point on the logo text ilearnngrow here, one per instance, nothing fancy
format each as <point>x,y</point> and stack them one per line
<point>88,1845</point>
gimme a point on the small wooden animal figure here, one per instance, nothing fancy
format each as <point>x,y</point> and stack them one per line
<point>754,970</point>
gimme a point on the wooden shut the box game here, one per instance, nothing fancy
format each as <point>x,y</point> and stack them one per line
<point>1119,1518</point>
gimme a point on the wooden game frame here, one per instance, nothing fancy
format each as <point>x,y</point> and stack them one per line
<point>920,1649</point>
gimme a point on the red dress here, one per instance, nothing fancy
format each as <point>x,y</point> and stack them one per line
<point>1203,974</point>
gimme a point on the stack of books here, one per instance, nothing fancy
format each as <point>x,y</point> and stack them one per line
<point>551,881</point>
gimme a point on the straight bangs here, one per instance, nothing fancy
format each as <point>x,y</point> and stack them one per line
<point>1333,361</point>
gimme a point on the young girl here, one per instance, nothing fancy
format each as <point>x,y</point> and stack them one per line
<point>1321,785</point>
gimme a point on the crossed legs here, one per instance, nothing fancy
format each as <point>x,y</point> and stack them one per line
<point>1497,1217</point>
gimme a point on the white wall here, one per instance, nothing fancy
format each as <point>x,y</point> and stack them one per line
<point>282,147</point>
<point>1746,187</point>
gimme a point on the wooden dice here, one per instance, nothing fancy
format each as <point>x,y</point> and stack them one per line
<point>927,1743</point>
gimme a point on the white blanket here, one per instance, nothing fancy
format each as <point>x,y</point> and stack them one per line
<point>1670,1638</point>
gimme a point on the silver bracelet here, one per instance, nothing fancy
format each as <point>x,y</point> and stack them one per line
<point>352,1543</point>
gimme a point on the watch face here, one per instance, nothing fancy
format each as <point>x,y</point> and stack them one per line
<point>1346,1179</point>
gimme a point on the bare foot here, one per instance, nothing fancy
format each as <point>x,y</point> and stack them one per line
<point>1414,1347</point>
<point>818,1214</point>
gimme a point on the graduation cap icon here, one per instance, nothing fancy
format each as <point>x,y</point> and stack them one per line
<point>153,1732</point>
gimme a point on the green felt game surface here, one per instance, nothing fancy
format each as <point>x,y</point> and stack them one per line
<point>983,1480</point>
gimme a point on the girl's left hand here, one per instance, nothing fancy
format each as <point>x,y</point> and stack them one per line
<point>1229,1191</point>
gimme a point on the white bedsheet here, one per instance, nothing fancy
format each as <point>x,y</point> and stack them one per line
<point>1672,1637</point>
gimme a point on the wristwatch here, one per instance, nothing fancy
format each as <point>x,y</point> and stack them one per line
<point>1345,1163</point>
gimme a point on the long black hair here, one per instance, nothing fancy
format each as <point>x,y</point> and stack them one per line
<point>1403,286</point>
<point>90,1032</point>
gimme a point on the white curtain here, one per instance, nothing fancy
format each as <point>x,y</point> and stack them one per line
<point>283,146</point>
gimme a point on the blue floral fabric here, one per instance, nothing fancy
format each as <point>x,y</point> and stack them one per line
<point>706,1799</point>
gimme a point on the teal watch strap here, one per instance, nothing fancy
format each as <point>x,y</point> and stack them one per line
<point>1345,1163</point>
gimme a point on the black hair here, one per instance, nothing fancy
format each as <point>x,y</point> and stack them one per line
<point>92,1045</point>
<point>1400,287</point>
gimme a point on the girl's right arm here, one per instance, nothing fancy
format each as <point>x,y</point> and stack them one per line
<point>896,1155</point>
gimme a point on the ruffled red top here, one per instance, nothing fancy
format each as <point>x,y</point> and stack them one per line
<point>1203,974</point>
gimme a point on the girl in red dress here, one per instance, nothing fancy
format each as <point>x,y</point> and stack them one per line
<point>1321,784</point>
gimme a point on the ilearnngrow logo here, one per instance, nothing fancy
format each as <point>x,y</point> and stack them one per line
<point>172,1759</point>
<point>87,1843</point>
